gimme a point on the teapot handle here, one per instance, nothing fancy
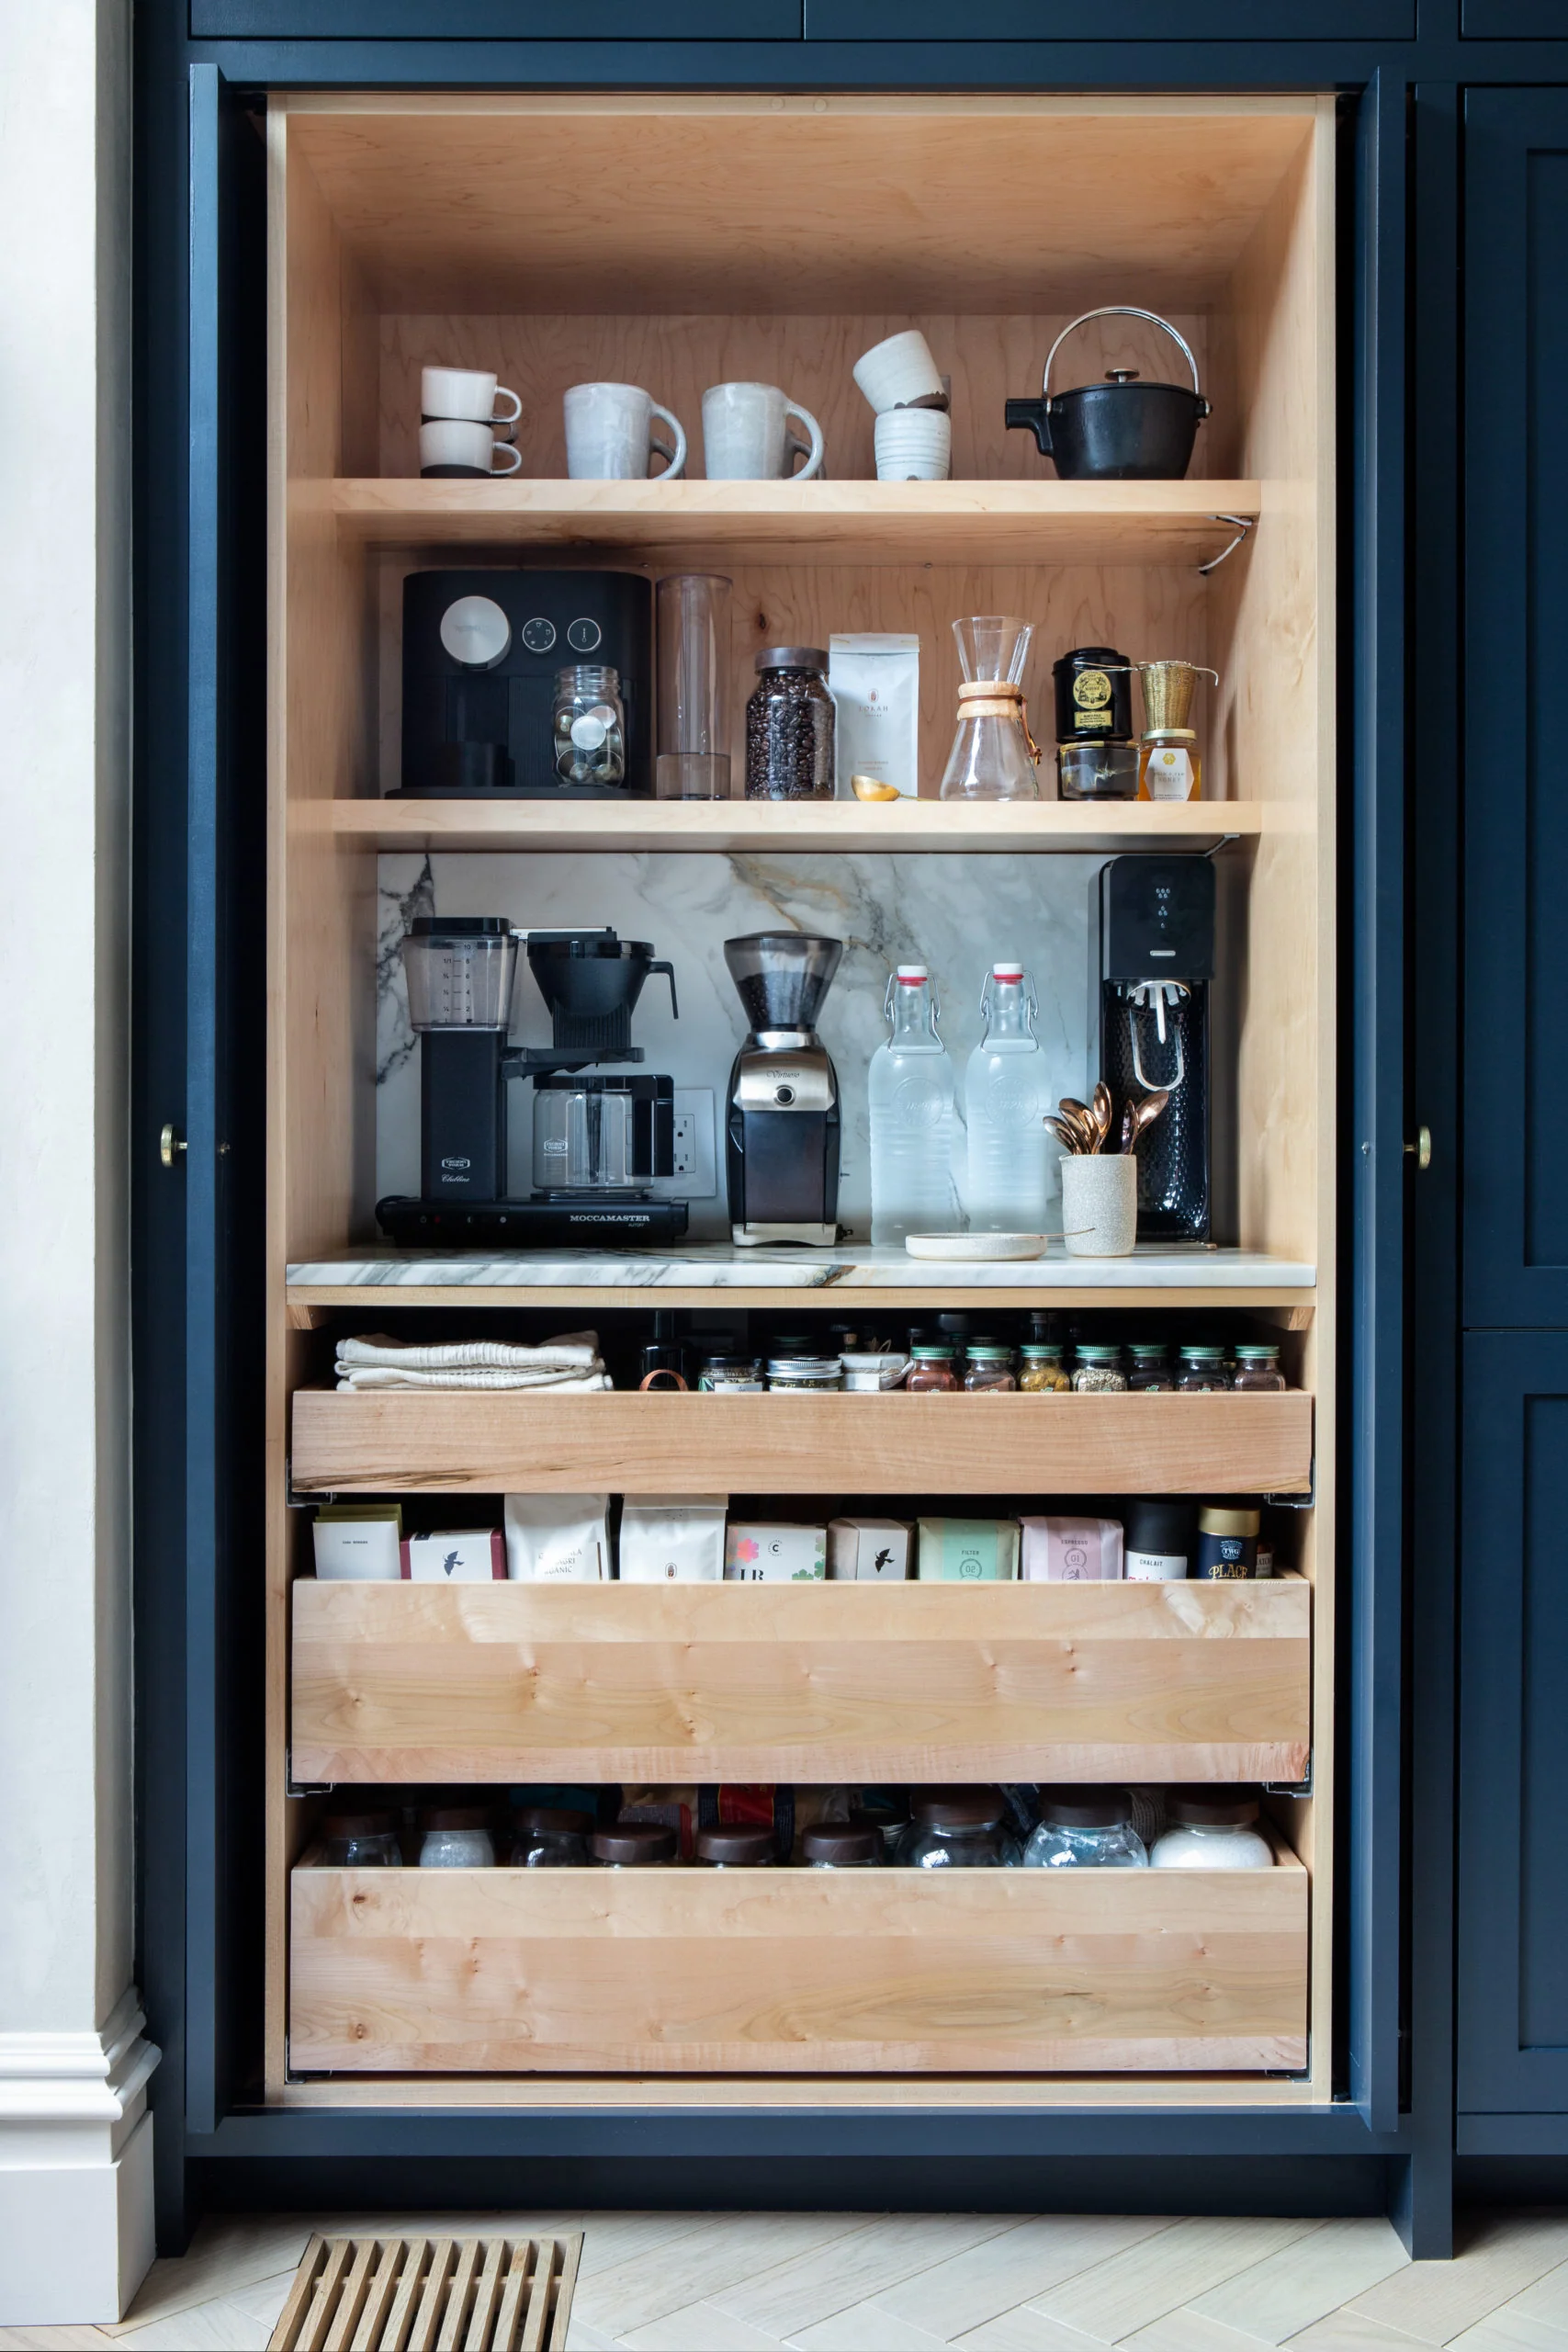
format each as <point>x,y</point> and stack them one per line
<point>1119,310</point>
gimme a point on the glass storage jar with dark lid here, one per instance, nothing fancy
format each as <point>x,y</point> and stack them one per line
<point>842,1846</point>
<point>1096,1369</point>
<point>547,1838</point>
<point>1211,1828</point>
<point>1257,1368</point>
<point>1086,1825</point>
<point>1201,1368</point>
<point>738,1846</point>
<point>455,1838</point>
<point>789,726</point>
<point>360,1841</point>
<point>954,1830</point>
<point>629,1844</point>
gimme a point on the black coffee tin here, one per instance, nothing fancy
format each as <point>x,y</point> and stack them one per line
<point>1094,695</point>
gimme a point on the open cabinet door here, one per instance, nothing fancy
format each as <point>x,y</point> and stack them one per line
<point>199,985</point>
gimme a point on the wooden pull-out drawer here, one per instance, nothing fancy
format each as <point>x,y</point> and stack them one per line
<point>788,1683</point>
<point>519,1442</point>
<point>797,1971</point>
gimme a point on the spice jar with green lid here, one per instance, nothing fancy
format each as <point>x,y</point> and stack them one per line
<point>1151,1373</point>
<point>988,1370</point>
<point>1043,1373</point>
<point>1096,1370</point>
<point>1201,1368</point>
<point>1257,1368</point>
<point>931,1369</point>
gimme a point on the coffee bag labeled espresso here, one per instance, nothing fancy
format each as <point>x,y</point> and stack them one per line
<point>875,685</point>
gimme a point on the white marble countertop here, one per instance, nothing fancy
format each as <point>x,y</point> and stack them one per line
<point>719,1266</point>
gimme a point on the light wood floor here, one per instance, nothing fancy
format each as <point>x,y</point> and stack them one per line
<point>864,2282</point>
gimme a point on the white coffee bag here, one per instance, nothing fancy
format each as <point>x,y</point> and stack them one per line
<point>678,1540</point>
<point>875,685</point>
<point>557,1539</point>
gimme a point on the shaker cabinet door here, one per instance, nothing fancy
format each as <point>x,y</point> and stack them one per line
<point>1512,1873</point>
<point>1516,625</point>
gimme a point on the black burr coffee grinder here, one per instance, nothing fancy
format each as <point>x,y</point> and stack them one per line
<point>598,1141</point>
<point>1159,1019</point>
<point>783,1127</point>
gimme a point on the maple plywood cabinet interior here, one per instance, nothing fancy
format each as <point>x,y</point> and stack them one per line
<point>393,242</point>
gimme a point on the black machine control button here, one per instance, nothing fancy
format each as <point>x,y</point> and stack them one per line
<point>585,636</point>
<point>538,634</point>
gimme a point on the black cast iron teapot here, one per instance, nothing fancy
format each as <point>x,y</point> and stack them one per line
<point>1119,431</point>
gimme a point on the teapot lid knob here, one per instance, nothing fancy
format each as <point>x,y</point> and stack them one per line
<point>1120,375</point>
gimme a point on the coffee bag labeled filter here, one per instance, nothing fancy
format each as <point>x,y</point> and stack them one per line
<point>678,1540</point>
<point>557,1539</point>
<point>874,681</point>
<point>968,1551</point>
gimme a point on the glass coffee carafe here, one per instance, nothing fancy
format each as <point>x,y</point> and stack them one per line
<point>994,756</point>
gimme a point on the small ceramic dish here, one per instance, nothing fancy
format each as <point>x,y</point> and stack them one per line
<point>974,1248</point>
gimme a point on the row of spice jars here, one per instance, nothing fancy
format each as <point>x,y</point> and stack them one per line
<point>1097,1367</point>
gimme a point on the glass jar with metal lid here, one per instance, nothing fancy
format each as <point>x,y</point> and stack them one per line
<point>588,725</point>
<point>954,1830</point>
<point>1201,1367</point>
<point>632,1845</point>
<point>1043,1373</point>
<point>842,1846</point>
<point>931,1369</point>
<point>549,1837</point>
<point>1096,1369</point>
<point>1085,1826</point>
<point>1211,1828</point>
<point>737,1846</point>
<point>730,1370</point>
<point>821,1373</point>
<point>1150,1373</point>
<point>360,1841</point>
<point>1257,1368</point>
<point>789,726</point>
<point>988,1369</point>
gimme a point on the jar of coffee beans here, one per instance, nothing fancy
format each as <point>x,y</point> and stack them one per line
<point>789,726</point>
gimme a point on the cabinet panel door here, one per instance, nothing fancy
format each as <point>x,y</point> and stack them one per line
<point>1512,19</point>
<point>1111,20</point>
<point>495,20</point>
<point>1516,505</point>
<point>1513,1907</point>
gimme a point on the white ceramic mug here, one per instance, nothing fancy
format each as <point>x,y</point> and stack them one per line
<point>610,435</point>
<point>466,393</point>
<point>901,373</point>
<point>1100,1204</point>
<point>746,435</point>
<point>454,446</point>
<point>914,444</point>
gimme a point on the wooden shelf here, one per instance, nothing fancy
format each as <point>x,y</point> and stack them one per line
<point>756,827</point>
<point>1140,523</point>
<point>835,1682</point>
<point>797,1971</point>
<point>485,1441</point>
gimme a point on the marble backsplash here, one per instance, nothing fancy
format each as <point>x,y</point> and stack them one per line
<point>956,914</point>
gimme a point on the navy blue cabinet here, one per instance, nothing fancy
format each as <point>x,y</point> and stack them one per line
<point>1228,20</point>
<point>495,20</point>
<point>1513,1916</point>
<point>1514,19</point>
<point>1516,630</point>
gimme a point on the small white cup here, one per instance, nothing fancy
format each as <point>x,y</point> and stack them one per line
<point>914,444</point>
<point>901,373</point>
<point>746,435</point>
<point>610,435</point>
<point>466,393</point>
<point>1100,1204</point>
<point>454,446</point>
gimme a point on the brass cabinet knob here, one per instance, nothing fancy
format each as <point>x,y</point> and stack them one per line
<point>1421,1149</point>
<point>170,1143</point>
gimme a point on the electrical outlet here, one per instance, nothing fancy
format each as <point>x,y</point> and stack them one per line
<point>696,1149</point>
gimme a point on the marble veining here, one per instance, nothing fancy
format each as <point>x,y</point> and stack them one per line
<point>956,914</point>
<point>717,1266</point>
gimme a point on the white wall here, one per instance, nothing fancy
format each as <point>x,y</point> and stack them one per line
<point>75,2143</point>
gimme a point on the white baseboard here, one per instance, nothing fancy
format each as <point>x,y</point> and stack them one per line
<point>76,2172</point>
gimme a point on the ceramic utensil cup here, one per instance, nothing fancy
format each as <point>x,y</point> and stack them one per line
<point>901,373</point>
<point>746,435</point>
<point>1100,1204</point>
<point>466,393</point>
<point>454,446</point>
<point>914,444</point>
<point>610,435</point>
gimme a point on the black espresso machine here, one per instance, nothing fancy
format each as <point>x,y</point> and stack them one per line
<point>482,653</point>
<point>1163,998</point>
<point>599,1139</point>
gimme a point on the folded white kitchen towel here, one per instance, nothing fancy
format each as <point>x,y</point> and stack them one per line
<point>569,1360</point>
<point>375,1375</point>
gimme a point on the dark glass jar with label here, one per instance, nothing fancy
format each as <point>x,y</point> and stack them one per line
<point>1227,1542</point>
<point>789,726</point>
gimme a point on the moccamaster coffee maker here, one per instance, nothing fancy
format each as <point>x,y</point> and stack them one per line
<point>482,655</point>
<point>782,1146</point>
<point>598,1141</point>
<point>1160,1008</point>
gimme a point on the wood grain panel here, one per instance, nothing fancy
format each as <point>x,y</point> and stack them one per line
<point>626,1444</point>
<point>790,1971</point>
<point>843,1682</point>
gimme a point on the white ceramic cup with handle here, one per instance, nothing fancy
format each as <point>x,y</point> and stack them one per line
<point>901,373</point>
<point>467,392</point>
<point>454,446</point>
<point>746,435</point>
<point>914,444</point>
<point>610,435</point>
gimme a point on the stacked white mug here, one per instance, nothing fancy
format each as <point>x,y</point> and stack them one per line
<point>463,431</point>
<point>914,431</point>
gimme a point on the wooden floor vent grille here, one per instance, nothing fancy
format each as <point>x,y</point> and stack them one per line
<point>430,2295</point>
